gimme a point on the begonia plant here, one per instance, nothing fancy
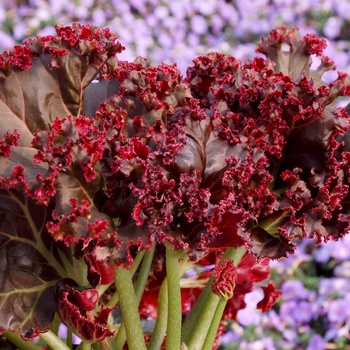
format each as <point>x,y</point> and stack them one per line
<point>138,207</point>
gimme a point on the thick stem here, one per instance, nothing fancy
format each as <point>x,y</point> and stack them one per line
<point>210,339</point>
<point>100,346</point>
<point>55,324</point>
<point>53,341</point>
<point>120,339</point>
<point>129,309</point>
<point>144,272</point>
<point>199,324</point>
<point>54,328</point>
<point>162,318</point>
<point>115,297</point>
<point>17,340</point>
<point>139,288</point>
<point>194,314</point>
<point>173,340</point>
<point>201,328</point>
<point>235,254</point>
<point>69,338</point>
<point>84,346</point>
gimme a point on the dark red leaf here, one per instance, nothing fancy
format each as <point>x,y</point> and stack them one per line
<point>31,264</point>
<point>249,271</point>
<point>271,296</point>
<point>74,308</point>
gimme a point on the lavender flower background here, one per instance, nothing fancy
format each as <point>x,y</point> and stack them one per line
<point>313,313</point>
<point>179,30</point>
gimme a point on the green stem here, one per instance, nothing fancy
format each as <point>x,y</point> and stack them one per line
<point>54,328</point>
<point>206,309</point>
<point>194,314</point>
<point>114,300</point>
<point>115,297</point>
<point>53,341</point>
<point>129,309</point>
<point>120,339</point>
<point>84,345</point>
<point>213,329</point>
<point>139,288</point>
<point>201,328</point>
<point>144,272</point>
<point>69,338</point>
<point>100,346</point>
<point>55,324</point>
<point>235,254</point>
<point>17,340</point>
<point>162,316</point>
<point>173,340</point>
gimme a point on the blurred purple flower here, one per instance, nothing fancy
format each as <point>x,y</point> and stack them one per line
<point>316,342</point>
<point>294,289</point>
<point>229,337</point>
<point>261,344</point>
<point>342,270</point>
<point>333,286</point>
<point>250,315</point>
<point>339,250</point>
<point>329,76</point>
<point>303,312</point>
<point>286,312</point>
<point>6,40</point>
<point>98,17</point>
<point>205,8</point>
<point>296,313</point>
<point>199,24</point>
<point>342,8</point>
<point>268,343</point>
<point>338,310</point>
<point>161,13</point>
<point>290,335</point>
<point>332,28</point>
<point>274,319</point>
<point>228,12</point>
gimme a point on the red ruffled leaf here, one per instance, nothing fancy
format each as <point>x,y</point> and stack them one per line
<point>249,271</point>
<point>271,296</point>
<point>33,182</point>
<point>74,308</point>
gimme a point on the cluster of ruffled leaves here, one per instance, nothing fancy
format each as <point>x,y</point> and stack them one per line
<point>100,159</point>
<point>286,141</point>
<point>48,151</point>
<point>250,156</point>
